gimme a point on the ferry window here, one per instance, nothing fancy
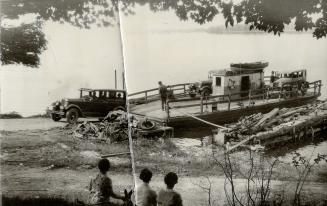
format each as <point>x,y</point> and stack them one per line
<point>218,81</point>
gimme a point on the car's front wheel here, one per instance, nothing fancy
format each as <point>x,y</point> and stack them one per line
<point>205,92</point>
<point>72,115</point>
<point>55,117</point>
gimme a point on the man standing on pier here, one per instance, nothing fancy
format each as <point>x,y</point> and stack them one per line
<point>163,94</point>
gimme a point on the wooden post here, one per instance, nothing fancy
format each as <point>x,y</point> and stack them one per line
<point>267,94</point>
<point>201,107</point>
<point>306,131</point>
<point>250,97</point>
<point>229,100</point>
<point>184,89</point>
<point>115,79</point>
<point>146,96</point>
<point>167,110</point>
<point>315,86</point>
<point>319,87</point>
<point>123,74</point>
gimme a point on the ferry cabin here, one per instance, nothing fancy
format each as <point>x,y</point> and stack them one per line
<point>232,81</point>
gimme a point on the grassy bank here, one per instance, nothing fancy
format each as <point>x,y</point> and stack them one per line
<point>191,159</point>
<point>53,164</point>
<point>57,148</point>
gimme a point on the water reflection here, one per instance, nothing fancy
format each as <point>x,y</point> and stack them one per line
<point>306,147</point>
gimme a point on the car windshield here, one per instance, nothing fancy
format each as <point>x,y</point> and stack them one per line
<point>86,94</point>
<point>102,94</point>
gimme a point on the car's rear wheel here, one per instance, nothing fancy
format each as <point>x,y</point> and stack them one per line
<point>72,115</point>
<point>55,117</point>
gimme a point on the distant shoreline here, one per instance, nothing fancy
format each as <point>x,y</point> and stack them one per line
<point>16,115</point>
<point>237,29</point>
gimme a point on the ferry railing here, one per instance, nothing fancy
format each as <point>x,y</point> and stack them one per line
<point>250,95</point>
<point>152,94</point>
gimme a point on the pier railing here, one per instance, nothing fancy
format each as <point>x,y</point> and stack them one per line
<point>291,91</point>
<point>177,90</point>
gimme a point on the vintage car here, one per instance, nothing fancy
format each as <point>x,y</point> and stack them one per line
<point>92,103</point>
<point>292,77</point>
<point>204,88</point>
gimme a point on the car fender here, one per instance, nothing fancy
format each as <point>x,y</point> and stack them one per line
<point>76,107</point>
<point>119,108</point>
<point>205,88</point>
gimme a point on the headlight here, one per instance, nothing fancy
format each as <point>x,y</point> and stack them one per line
<point>66,103</point>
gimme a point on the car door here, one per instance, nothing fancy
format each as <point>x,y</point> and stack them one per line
<point>111,101</point>
<point>86,103</point>
<point>96,106</point>
<point>102,103</point>
<point>120,100</point>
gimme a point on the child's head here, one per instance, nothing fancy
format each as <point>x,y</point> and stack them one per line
<point>104,165</point>
<point>171,179</point>
<point>146,175</point>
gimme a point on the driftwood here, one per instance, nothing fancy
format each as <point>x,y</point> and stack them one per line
<point>287,114</point>
<point>313,121</point>
<point>278,125</point>
<point>115,154</point>
<point>272,122</point>
<point>266,117</point>
<point>240,143</point>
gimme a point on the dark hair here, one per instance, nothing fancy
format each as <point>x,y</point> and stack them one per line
<point>171,179</point>
<point>159,82</point>
<point>146,175</point>
<point>104,165</point>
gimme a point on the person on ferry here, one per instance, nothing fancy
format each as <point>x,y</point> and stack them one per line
<point>163,95</point>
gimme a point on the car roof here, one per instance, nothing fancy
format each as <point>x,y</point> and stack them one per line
<point>288,71</point>
<point>90,90</point>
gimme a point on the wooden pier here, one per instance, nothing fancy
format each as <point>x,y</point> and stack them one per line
<point>219,109</point>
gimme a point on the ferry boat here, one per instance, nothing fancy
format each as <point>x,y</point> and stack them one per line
<point>233,93</point>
